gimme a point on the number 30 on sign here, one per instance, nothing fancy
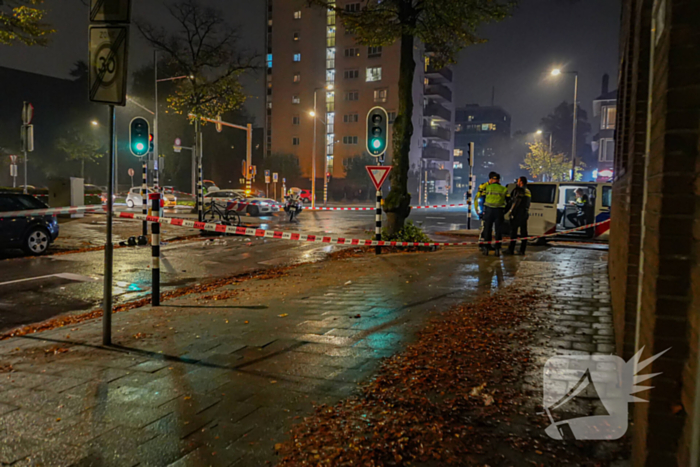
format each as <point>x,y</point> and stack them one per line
<point>108,64</point>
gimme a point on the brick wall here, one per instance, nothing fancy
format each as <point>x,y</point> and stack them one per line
<point>668,221</point>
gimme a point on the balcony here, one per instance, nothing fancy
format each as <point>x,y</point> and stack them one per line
<point>436,153</point>
<point>438,92</point>
<point>442,73</point>
<point>436,132</point>
<point>435,110</point>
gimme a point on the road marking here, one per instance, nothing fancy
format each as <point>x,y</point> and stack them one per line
<point>64,275</point>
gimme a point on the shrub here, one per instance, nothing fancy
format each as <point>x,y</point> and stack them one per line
<point>409,233</point>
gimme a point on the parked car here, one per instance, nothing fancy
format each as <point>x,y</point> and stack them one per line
<point>222,197</point>
<point>305,195</point>
<point>252,206</point>
<point>34,235</point>
<point>209,186</point>
<point>134,199</point>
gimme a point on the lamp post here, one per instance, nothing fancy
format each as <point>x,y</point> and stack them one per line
<point>313,154</point>
<point>557,72</point>
<point>155,114</point>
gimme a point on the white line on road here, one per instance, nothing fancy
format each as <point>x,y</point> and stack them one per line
<point>64,275</point>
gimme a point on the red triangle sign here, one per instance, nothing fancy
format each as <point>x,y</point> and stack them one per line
<point>378,174</point>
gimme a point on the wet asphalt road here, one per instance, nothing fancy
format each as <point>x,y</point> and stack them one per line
<point>36,289</point>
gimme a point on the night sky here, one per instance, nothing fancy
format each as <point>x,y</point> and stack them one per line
<point>577,35</point>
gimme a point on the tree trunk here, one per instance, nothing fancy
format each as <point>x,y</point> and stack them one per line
<point>82,169</point>
<point>398,203</point>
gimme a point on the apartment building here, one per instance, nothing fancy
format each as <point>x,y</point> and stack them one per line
<point>313,62</point>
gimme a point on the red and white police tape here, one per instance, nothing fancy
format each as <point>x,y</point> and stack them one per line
<point>53,211</point>
<point>437,206</point>
<point>276,234</point>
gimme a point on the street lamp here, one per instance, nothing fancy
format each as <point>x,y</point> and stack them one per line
<point>557,72</point>
<point>540,132</point>
<point>94,123</point>
<point>313,156</point>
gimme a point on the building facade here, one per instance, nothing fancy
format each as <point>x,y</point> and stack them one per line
<point>314,63</point>
<point>603,143</point>
<point>655,240</point>
<point>489,129</point>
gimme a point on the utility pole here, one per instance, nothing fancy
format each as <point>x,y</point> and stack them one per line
<point>573,149</point>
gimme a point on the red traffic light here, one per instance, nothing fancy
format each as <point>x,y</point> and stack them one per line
<point>150,138</point>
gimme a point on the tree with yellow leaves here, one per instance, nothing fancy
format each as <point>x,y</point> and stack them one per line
<point>544,166</point>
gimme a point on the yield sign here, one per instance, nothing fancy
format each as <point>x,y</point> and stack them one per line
<point>378,174</point>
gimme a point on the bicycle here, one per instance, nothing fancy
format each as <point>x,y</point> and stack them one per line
<point>226,217</point>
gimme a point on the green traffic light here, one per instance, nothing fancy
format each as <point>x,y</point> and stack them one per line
<point>140,147</point>
<point>377,144</point>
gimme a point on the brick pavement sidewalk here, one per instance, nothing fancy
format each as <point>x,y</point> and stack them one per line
<point>219,378</point>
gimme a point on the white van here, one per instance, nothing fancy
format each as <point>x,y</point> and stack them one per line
<point>551,206</point>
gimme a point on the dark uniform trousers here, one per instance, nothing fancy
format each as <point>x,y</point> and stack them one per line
<point>493,217</point>
<point>518,223</point>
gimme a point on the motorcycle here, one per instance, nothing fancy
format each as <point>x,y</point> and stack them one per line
<point>293,207</point>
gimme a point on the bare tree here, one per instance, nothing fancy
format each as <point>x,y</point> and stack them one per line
<point>205,50</point>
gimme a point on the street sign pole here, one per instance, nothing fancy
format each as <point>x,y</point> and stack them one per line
<point>109,49</point>
<point>109,253</point>
<point>378,174</point>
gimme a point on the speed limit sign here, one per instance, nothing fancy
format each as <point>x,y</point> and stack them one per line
<point>108,64</point>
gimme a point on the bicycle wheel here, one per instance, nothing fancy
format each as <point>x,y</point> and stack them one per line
<point>233,218</point>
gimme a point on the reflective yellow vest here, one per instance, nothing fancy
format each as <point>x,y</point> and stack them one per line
<point>495,196</point>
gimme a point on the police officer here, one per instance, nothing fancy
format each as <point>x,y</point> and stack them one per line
<point>518,214</point>
<point>494,207</point>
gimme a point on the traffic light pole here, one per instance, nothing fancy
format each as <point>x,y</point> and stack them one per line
<point>144,195</point>
<point>470,188</point>
<point>109,247</point>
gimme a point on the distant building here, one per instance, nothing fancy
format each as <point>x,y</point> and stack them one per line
<point>489,129</point>
<point>605,111</point>
<point>312,58</point>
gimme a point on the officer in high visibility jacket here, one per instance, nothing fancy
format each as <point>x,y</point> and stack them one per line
<point>494,208</point>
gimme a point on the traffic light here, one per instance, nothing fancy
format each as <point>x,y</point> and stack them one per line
<point>377,131</point>
<point>139,137</point>
<point>151,147</point>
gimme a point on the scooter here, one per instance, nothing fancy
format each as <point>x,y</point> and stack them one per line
<point>293,207</point>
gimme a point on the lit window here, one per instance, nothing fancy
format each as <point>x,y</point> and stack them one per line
<point>607,122</point>
<point>374,74</point>
<point>458,127</point>
<point>295,141</point>
<point>374,52</point>
<point>297,57</point>
<point>296,100</point>
<point>470,118</point>
<point>380,95</point>
<point>296,36</point>
<point>297,14</point>
<point>488,127</point>
<point>297,77</point>
<point>269,60</point>
<point>458,165</point>
<point>458,153</point>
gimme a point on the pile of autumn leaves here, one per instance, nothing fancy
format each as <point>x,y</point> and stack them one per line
<point>426,405</point>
